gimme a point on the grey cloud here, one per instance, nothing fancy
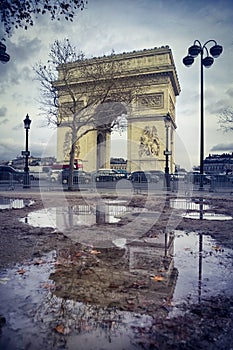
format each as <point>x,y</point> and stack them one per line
<point>4,121</point>
<point>229,92</point>
<point>218,107</point>
<point>25,48</point>
<point>3,111</point>
<point>18,127</point>
<point>21,54</point>
<point>5,69</point>
<point>7,152</point>
<point>25,73</point>
<point>227,147</point>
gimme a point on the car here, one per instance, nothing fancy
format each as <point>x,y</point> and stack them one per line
<point>139,176</point>
<point>54,175</point>
<point>152,177</point>
<point>79,176</point>
<point>143,176</point>
<point>178,176</point>
<point>194,177</point>
<point>107,175</point>
<point>123,173</point>
<point>8,173</point>
<point>38,175</point>
<point>158,173</point>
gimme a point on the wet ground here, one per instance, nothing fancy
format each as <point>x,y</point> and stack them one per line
<point>116,274</point>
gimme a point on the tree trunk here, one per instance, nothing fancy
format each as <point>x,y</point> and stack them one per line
<point>71,164</point>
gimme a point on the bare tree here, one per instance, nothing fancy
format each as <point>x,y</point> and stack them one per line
<point>18,13</point>
<point>226,120</point>
<point>84,94</point>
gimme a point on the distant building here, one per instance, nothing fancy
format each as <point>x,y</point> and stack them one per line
<point>219,163</point>
<point>19,162</point>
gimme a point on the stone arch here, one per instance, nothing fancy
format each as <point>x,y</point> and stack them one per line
<point>155,71</point>
<point>106,115</point>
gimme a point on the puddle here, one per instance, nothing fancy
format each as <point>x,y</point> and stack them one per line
<point>197,209</point>
<point>58,302</point>
<point>205,268</point>
<point>187,204</point>
<point>78,215</point>
<point>37,319</point>
<point>197,215</point>
<point>9,203</point>
<point>95,225</point>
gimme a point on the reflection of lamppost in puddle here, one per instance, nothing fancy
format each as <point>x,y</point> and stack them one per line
<point>200,251</point>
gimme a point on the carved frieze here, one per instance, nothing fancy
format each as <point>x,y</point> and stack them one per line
<point>149,142</point>
<point>151,100</point>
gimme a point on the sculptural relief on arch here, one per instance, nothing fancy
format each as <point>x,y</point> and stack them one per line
<point>157,84</point>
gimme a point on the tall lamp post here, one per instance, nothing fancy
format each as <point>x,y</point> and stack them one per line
<point>26,153</point>
<point>207,59</point>
<point>167,153</point>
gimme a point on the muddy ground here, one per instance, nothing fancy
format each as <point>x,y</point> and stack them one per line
<point>206,325</point>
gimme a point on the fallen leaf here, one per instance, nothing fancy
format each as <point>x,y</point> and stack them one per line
<point>78,254</point>
<point>61,329</point>
<point>95,252</point>
<point>216,248</point>
<point>38,262</point>
<point>48,286</point>
<point>21,271</point>
<point>157,278</point>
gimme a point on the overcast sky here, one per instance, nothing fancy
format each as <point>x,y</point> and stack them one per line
<point>126,25</point>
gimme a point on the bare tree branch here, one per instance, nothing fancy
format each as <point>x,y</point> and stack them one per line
<point>226,120</point>
<point>84,94</point>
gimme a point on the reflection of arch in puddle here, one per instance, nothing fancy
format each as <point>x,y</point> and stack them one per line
<point>149,254</point>
<point>154,257</point>
<point>139,281</point>
<point>70,216</point>
<point>95,224</point>
<point>106,234</point>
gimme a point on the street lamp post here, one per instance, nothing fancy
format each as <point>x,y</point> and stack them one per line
<point>167,153</point>
<point>26,153</point>
<point>207,59</point>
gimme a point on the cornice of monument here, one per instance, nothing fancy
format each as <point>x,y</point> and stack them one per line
<point>151,69</point>
<point>135,53</point>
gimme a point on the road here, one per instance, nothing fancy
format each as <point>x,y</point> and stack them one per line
<point>126,186</point>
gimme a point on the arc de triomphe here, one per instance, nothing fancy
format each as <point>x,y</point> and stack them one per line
<point>146,132</point>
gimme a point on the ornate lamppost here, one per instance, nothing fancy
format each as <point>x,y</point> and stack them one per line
<point>167,153</point>
<point>26,153</point>
<point>207,59</point>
